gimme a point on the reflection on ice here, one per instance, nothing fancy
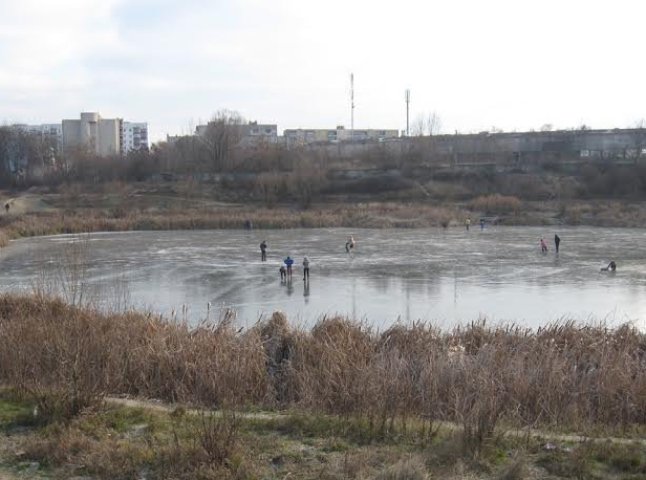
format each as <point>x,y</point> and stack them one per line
<point>444,276</point>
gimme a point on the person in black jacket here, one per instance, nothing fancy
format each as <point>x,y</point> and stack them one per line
<point>263,251</point>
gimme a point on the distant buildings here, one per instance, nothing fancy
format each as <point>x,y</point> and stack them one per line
<point>254,133</point>
<point>102,136</point>
<point>295,137</point>
<point>251,133</point>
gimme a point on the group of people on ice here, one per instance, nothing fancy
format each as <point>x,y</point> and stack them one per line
<point>612,266</point>
<point>286,269</point>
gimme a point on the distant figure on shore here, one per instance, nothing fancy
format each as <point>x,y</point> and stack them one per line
<point>306,268</point>
<point>482,222</point>
<point>288,263</point>
<point>612,267</point>
<point>557,242</point>
<point>7,206</point>
<point>283,273</point>
<point>543,246</point>
<point>349,245</point>
<point>263,251</point>
<point>248,225</point>
<point>467,223</point>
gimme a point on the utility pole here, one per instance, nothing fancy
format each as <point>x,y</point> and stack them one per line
<point>352,106</point>
<point>407,98</point>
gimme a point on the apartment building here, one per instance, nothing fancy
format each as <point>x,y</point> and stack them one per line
<point>300,136</point>
<point>50,134</point>
<point>101,135</point>
<point>134,136</point>
<point>104,136</point>
<point>255,131</point>
<point>251,133</point>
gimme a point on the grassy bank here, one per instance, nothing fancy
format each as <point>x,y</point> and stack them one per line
<point>508,211</point>
<point>339,401</point>
<point>112,442</point>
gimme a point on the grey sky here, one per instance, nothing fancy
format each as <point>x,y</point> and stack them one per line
<point>512,64</point>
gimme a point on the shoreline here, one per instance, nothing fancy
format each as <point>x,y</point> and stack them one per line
<point>381,215</point>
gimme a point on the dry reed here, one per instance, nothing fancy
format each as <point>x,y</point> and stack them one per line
<point>564,375</point>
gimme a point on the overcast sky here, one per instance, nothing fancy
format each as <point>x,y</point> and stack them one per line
<point>513,65</point>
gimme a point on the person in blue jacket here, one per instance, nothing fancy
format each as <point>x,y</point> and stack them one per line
<point>288,263</point>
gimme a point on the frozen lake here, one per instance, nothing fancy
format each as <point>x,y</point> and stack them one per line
<point>444,276</point>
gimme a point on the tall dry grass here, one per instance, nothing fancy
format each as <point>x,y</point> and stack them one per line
<point>496,204</point>
<point>365,215</point>
<point>563,375</point>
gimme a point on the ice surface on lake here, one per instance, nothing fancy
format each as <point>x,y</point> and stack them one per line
<point>443,276</point>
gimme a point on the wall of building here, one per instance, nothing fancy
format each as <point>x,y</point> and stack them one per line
<point>71,134</point>
<point>134,136</point>
<point>102,136</point>
<point>108,138</point>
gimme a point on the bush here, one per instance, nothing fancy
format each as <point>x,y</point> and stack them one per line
<point>496,204</point>
<point>409,469</point>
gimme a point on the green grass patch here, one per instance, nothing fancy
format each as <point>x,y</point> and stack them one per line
<point>15,411</point>
<point>357,431</point>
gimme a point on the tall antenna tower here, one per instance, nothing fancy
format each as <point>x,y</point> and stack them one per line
<point>407,98</point>
<point>351,106</point>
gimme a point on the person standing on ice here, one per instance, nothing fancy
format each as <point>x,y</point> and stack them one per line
<point>349,245</point>
<point>263,251</point>
<point>288,263</point>
<point>306,269</point>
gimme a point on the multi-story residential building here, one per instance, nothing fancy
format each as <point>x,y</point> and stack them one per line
<point>254,132</point>
<point>49,133</point>
<point>134,136</point>
<point>251,133</point>
<point>101,135</point>
<point>339,134</point>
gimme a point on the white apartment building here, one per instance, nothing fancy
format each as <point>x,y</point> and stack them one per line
<point>134,136</point>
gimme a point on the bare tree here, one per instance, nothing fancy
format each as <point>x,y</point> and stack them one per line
<point>221,135</point>
<point>427,124</point>
<point>21,153</point>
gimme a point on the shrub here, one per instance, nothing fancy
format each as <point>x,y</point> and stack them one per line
<point>496,204</point>
<point>409,469</point>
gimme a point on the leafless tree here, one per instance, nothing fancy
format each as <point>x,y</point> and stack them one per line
<point>427,124</point>
<point>221,135</point>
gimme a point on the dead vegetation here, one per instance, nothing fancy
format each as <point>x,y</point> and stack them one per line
<point>345,383</point>
<point>568,375</point>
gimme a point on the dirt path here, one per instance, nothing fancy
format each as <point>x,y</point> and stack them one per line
<point>549,437</point>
